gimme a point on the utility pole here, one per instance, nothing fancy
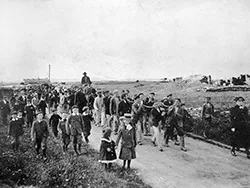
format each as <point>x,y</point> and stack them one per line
<point>49,72</point>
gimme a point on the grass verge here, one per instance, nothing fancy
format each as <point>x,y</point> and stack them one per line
<point>24,169</point>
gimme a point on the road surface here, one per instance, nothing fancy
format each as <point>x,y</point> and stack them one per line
<point>202,166</point>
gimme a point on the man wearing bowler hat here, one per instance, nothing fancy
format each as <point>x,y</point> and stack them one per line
<point>85,79</point>
<point>240,126</point>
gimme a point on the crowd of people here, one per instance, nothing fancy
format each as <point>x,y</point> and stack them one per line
<point>71,111</point>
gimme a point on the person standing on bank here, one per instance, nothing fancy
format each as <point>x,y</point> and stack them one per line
<point>5,110</point>
<point>240,126</point>
<point>39,134</point>
<point>85,80</point>
<point>207,115</point>
<point>76,127</point>
<point>128,135</point>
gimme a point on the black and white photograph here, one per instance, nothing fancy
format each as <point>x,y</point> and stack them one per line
<point>124,94</point>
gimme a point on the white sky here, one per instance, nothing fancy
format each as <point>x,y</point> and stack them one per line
<point>123,39</point>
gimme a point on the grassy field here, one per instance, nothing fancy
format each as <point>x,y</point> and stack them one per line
<point>23,168</point>
<point>191,93</point>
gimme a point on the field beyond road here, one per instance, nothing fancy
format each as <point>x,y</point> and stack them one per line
<point>192,93</point>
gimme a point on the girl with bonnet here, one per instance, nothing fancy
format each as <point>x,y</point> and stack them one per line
<point>107,149</point>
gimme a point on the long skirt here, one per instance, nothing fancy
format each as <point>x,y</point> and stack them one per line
<point>127,153</point>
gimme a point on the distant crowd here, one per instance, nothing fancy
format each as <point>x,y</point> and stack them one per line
<point>71,111</point>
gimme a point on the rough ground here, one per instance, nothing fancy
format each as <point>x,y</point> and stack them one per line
<point>202,166</point>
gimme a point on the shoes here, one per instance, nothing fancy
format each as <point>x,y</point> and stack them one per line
<point>233,153</point>
<point>204,135</point>
<point>161,149</point>
<point>153,142</point>
<point>139,143</point>
<point>184,149</point>
<point>177,143</point>
<point>166,145</point>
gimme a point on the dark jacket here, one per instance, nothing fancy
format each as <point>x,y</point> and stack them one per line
<point>114,103</point>
<point>124,107</point>
<point>148,105</point>
<point>85,80</point>
<point>155,117</point>
<point>107,151</point>
<point>75,123</point>
<point>54,120</point>
<point>40,129</point>
<point>239,117</point>
<point>5,107</point>
<point>106,102</point>
<point>128,137</point>
<point>29,111</point>
<point>87,124</point>
<point>15,128</point>
<point>240,121</point>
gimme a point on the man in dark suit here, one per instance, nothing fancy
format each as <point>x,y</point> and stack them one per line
<point>5,110</point>
<point>124,106</point>
<point>240,126</point>
<point>85,79</point>
<point>80,100</point>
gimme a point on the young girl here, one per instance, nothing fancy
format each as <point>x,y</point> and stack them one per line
<point>128,143</point>
<point>107,149</point>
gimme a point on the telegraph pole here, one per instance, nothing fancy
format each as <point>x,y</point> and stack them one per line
<point>49,72</point>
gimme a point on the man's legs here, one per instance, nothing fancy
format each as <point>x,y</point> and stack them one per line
<point>115,124</point>
<point>139,132</point>
<point>103,119</point>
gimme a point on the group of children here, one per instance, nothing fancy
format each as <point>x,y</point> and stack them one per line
<point>127,135</point>
<point>76,126</point>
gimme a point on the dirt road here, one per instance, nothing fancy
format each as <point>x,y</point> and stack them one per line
<point>202,166</point>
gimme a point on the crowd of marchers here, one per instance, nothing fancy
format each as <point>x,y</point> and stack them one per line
<point>71,111</point>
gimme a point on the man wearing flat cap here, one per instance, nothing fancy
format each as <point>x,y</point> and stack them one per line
<point>85,79</point>
<point>240,126</point>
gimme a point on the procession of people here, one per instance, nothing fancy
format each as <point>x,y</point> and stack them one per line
<point>71,111</point>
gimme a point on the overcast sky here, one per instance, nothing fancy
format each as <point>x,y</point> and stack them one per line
<point>123,39</point>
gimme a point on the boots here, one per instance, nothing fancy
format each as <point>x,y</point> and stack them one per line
<point>79,148</point>
<point>248,153</point>
<point>75,149</point>
<point>182,144</point>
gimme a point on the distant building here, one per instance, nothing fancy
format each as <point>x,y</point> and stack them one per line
<point>177,79</point>
<point>36,81</point>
